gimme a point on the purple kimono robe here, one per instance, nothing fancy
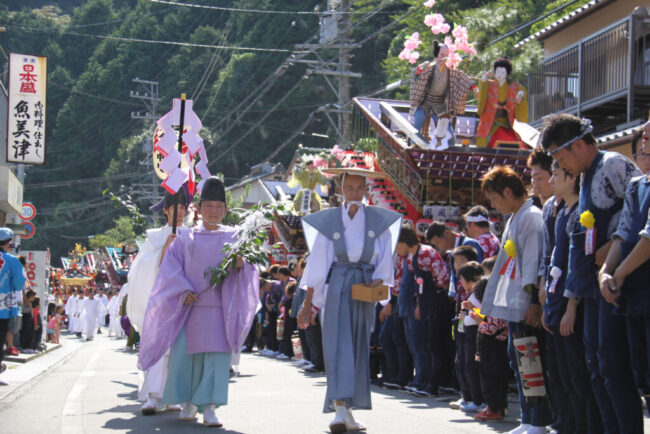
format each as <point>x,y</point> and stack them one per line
<point>221,318</point>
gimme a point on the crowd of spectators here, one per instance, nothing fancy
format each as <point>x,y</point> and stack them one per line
<point>432,338</point>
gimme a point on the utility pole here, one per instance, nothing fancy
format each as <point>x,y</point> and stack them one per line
<point>344,80</point>
<point>147,93</point>
<point>335,34</point>
<point>149,97</point>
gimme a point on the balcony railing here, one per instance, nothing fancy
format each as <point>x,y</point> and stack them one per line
<point>588,73</point>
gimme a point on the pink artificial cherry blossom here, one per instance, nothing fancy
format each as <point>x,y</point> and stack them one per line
<point>449,43</point>
<point>433,20</point>
<point>413,42</point>
<point>320,162</point>
<point>442,28</point>
<point>430,3</point>
<point>460,33</point>
<point>453,60</point>
<point>413,57</point>
<point>337,152</point>
<point>465,47</point>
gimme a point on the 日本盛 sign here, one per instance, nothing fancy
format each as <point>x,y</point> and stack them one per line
<point>26,110</point>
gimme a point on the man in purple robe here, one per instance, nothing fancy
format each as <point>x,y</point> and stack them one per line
<point>202,324</point>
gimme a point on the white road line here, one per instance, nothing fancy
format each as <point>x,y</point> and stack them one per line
<point>72,414</point>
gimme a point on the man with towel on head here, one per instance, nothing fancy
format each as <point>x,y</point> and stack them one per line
<point>350,244</point>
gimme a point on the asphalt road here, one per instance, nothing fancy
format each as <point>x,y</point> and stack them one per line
<point>93,388</point>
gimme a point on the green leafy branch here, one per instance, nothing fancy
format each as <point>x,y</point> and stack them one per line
<point>250,241</point>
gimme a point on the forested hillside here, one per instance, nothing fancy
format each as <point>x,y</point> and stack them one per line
<point>97,47</point>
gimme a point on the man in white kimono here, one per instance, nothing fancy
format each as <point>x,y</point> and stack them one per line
<point>71,308</point>
<point>351,244</point>
<point>92,309</point>
<point>78,326</point>
<point>101,320</point>
<point>114,326</point>
<point>142,275</point>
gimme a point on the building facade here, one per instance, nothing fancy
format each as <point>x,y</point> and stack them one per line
<point>596,65</point>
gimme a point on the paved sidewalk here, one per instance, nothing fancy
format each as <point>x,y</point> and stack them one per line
<point>24,358</point>
<point>23,369</point>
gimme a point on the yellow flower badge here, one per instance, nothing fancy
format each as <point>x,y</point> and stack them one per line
<point>508,268</point>
<point>587,219</point>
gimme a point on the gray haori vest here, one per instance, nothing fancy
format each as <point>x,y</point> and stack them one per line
<point>347,323</point>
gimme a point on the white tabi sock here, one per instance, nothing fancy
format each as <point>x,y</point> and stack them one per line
<point>521,429</point>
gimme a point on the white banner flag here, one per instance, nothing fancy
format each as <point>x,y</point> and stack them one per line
<point>26,111</point>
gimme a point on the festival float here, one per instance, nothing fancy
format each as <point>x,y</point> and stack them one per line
<point>76,273</point>
<point>435,148</point>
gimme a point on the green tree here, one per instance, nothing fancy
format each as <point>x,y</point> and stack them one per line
<point>122,232</point>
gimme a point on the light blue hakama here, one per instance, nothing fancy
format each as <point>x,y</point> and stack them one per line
<point>200,378</point>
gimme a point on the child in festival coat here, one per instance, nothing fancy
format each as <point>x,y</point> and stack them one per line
<point>460,256</point>
<point>492,357</point>
<point>470,273</point>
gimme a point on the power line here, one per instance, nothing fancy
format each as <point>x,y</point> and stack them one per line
<point>250,130</point>
<point>255,92</point>
<point>76,222</point>
<point>311,115</point>
<point>295,134</point>
<point>260,11</point>
<point>261,90</point>
<point>271,127</point>
<point>151,41</point>
<point>103,98</point>
<point>84,180</point>
<point>83,207</point>
<point>250,78</point>
<point>530,23</point>
<point>209,70</point>
<point>267,84</point>
<point>128,18</point>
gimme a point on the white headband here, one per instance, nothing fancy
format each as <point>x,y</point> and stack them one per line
<point>476,218</point>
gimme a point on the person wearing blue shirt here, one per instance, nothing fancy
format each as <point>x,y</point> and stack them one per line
<point>12,280</point>
<point>444,239</point>
<point>624,276</point>
<point>604,178</point>
<point>564,316</point>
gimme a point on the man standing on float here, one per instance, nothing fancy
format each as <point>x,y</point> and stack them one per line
<point>350,244</point>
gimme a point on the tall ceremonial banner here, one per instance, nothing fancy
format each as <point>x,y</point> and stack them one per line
<point>177,140</point>
<point>26,110</point>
